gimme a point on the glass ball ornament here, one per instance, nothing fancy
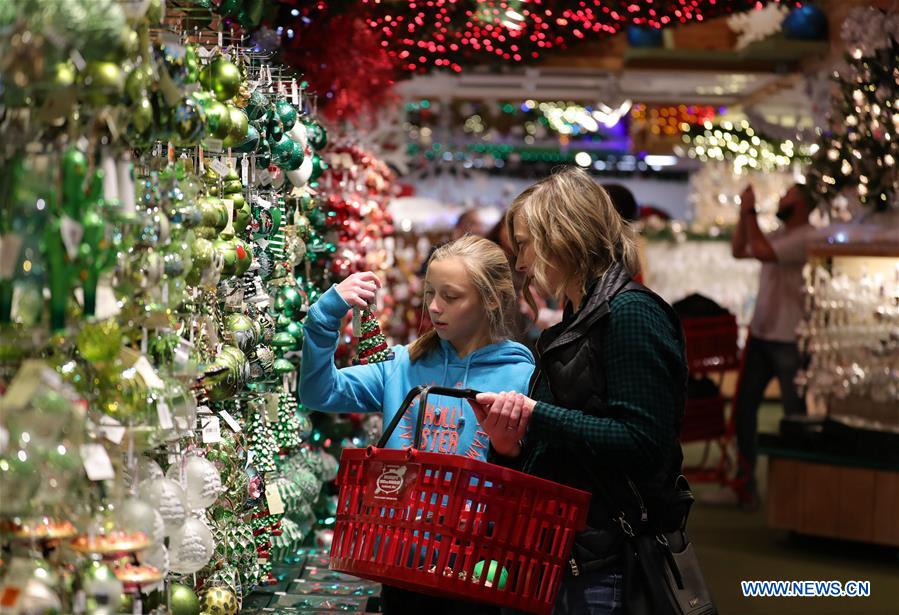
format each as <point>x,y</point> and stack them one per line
<point>222,77</point>
<point>190,547</point>
<point>316,133</point>
<point>200,478</point>
<point>318,167</point>
<point>258,105</point>
<point>102,83</point>
<point>157,556</point>
<point>239,127</point>
<point>301,176</point>
<point>250,142</point>
<point>287,113</point>
<point>239,331</point>
<point>298,134</point>
<point>169,500</point>
<point>805,22</point>
<point>188,121</point>
<point>219,601</point>
<point>218,119</point>
<point>136,515</point>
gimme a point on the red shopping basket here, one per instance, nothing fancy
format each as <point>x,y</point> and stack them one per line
<point>451,526</point>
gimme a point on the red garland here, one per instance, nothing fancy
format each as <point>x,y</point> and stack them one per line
<point>346,64</point>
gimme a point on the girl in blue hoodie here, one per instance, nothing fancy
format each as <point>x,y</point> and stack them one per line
<point>470,298</point>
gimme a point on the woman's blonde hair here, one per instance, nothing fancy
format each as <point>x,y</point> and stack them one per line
<point>575,228</point>
<point>488,269</point>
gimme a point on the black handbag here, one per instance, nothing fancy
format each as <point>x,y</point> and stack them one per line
<point>661,571</point>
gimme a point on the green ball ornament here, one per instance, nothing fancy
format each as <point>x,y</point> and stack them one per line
<point>491,573</point>
<point>138,81</point>
<point>287,113</point>
<point>251,15</point>
<point>258,105</point>
<point>222,77</point>
<point>250,142</point>
<point>142,116</point>
<point>296,158</point>
<point>239,126</point>
<point>274,130</point>
<point>239,331</point>
<point>218,120</point>
<point>316,134</point>
<point>227,248</point>
<point>102,83</point>
<point>213,213</point>
<point>184,600</point>
<point>230,8</point>
<point>192,64</point>
<point>282,151</point>
<point>318,167</point>
<point>189,122</point>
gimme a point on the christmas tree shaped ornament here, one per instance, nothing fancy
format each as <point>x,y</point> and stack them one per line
<point>262,442</point>
<point>288,429</point>
<point>372,344</point>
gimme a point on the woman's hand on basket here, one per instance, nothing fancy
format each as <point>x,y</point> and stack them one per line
<point>359,289</point>
<point>504,417</point>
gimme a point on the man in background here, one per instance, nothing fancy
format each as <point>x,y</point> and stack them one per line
<point>771,350</point>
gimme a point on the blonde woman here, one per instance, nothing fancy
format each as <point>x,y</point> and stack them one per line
<point>607,398</point>
<point>469,297</point>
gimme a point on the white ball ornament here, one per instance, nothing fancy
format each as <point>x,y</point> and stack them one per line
<point>168,498</point>
<point>191,547</point>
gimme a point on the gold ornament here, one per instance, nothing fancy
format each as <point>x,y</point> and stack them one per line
<point>219,601</point>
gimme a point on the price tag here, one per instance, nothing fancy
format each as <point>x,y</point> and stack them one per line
<point>245,170</point>
<point>111,429</point>
<point>264,177</point>
<point>212,430</point>
<point>151,378</point>
<point>213,145</point>
<point>96,462</point>
<point>271,407</point>
<point>219,167</point>
<point>230,420</point>
<point>72,232</point>
<point>164,414</point>
<point>273,498</point>
<point>107,304</point>
<point>261,202</point>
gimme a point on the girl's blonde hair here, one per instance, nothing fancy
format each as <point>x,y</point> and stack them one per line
<point>488,269</point>
<point>575,228</point>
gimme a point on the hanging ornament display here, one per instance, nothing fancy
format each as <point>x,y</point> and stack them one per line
<point>372,346</point>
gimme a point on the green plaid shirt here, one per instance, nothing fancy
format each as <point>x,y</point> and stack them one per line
<point>645,372</point>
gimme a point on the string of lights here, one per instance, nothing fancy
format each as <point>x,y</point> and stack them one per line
<point>743,147</point>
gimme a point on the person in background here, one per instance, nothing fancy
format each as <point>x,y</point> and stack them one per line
<point>470,298</point>
<point>771,349</point>
<point>468,223</point>
<point>626,204</point>
<point>608,394</point>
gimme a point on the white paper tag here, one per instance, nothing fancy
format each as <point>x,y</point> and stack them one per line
<point>271,407</point>
<point>213,145</point>
<point>146,371</point>
<point>212,431</point>
<point>111,429</point>
<point>72,232</point>
<point>230,420</point>
<point>261,202</point>
<point>245,170</point>
<point>263,177</point>
<point>10,244</point>
<point>107,304</point>
<point>273,497</point>
<point>219,167</point>
<point>164,414</point>
<point>249,458</point>
<point>96,462</point>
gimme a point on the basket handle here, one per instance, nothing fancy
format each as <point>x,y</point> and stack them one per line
<point>424,391</point>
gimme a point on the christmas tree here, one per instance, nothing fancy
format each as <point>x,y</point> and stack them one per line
<point>262,442</point>
<point>288,430</point>
<point>861,147</point>
<point>372,345</point>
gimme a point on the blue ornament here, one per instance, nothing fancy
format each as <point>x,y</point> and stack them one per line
<point>806,23</point>
<point>644,36</point>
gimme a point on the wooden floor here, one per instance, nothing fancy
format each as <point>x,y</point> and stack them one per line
<point>734,545</point>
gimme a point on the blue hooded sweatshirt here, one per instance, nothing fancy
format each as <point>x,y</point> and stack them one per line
<point>450,425</point>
